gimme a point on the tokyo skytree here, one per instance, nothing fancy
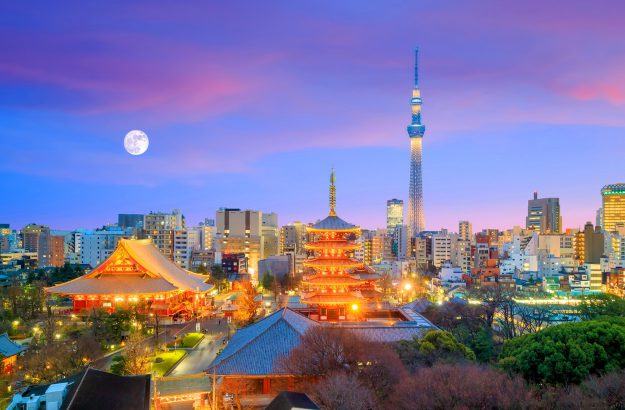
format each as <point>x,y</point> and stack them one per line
<point>416,218</point>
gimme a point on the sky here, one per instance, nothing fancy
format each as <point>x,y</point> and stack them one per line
<point>249,105</point>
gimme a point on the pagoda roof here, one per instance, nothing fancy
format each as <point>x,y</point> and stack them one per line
<point>332,280</point>
<point>332,245</point>
<point>318,298</point>
<point>330,262</point>
<point>333,223</point>
<point>135,267</point>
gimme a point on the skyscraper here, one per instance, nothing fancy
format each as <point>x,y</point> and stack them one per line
<point>416,218</point>
<point>543,215</point>
<point>613,206</point>
<point>394,213</point>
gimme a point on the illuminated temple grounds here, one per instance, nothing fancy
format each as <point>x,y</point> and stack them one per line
<point>137,274</point>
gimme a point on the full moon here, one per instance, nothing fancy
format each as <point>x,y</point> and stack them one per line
<point>136,142</point>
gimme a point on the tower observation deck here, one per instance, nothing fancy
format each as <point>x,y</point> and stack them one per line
<point>416,130</point>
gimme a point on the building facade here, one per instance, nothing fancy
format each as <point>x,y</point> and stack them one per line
<point>543,215</point>
<point>613,206</point>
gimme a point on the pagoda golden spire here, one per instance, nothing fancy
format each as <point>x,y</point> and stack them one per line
<point>332,194</point>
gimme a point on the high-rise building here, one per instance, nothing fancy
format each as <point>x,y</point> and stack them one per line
<point>613,206</point>
<point>31,234</point>
<point>543,215</point>
<point>239,232</point>
<point>590,245</point>
<point>293,237</point>
<point>394,213</point>
<point>443,246</point>
<point>416,130</point>
<point>271,235</point>
<point>95,246</point>
<point>130,220</point>
<point>160,228</point>
<point>465,231</point>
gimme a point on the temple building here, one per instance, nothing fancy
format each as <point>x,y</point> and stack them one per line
<point>337,286</point>
<point>137,274</point>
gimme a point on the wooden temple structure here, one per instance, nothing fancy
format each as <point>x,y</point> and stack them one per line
<point>137,274</point>
<point>337,286</point>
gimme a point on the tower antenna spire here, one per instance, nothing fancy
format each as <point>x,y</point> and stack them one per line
<point>332,194</point>
<point>416,67</point>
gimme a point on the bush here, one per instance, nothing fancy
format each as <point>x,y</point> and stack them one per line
<point>434,347</point>
<point>568,353</point>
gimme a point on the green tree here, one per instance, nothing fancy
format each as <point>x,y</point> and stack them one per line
<point>435,346</point>
<point>603,304</point>
<point>266,281</point>
<point>568,353</point>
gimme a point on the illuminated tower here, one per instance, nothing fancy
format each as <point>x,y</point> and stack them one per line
<point>416,219</point>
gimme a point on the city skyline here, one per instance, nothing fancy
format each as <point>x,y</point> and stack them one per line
<point>517,117</point>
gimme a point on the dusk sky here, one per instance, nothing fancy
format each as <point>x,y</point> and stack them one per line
<point>249,104</point>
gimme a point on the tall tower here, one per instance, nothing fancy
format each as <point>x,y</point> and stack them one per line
<point>416,218</point>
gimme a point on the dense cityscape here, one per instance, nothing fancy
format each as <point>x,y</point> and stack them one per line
<point>246,310</point>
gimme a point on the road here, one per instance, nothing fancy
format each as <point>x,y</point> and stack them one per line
<point>167,333</point>
<point>198,359</point>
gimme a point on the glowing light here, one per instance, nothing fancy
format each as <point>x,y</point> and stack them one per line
<point>354,307</point>
<point>57,336</point>
<point>407,286</point>
<point>16,323</point>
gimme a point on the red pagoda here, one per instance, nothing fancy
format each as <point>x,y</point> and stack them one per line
<point>338,286</point>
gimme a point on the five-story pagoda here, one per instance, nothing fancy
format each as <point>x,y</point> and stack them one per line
<point>333,283</point>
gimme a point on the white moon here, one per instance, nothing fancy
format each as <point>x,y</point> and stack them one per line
<point>136,142</point>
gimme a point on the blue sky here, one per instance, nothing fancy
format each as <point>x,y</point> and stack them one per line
<point>250,105</point>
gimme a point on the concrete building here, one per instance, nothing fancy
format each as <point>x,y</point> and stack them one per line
<point>97,245</point>
<point>240,232</point>
<point>443,246</point>
<point>293,237</point>
<point>160,227</point>
<point>465,231</point>
<point>30,236</point>
<point>543,215</point>
<point>207,234</point>
<point>271,235</point>
<point>613,206</point>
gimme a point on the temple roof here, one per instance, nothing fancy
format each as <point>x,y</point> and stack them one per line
<point>332,245</point>
<point>331,280</point>
<point>8,347</point>
<point>135,267</point>
<point>333,223</point>
<point>255,348</point>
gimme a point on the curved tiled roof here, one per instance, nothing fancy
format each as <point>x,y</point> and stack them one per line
<point>254,349</point>
<point>333,223</point>
<point>136,266</point>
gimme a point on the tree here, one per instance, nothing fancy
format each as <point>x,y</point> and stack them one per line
<point>325,352</point>
<point>135,359</point>
<point>247,304</point>
<point>603,304</point>
<point>435,346</point>
<point>567,353</point>
<point>446,386</point>
<point>341,391</point>
<point>201,270</point>
<point>266,281</point>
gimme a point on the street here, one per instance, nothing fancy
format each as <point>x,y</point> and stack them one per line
<point>198,359</point>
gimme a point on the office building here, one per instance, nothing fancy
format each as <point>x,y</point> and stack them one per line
<point>240,232</point>
<point>130,221</point>
<point>160,227</point>
<point>543,215</point>
<point>465,231</point>
<point>613,206</point>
